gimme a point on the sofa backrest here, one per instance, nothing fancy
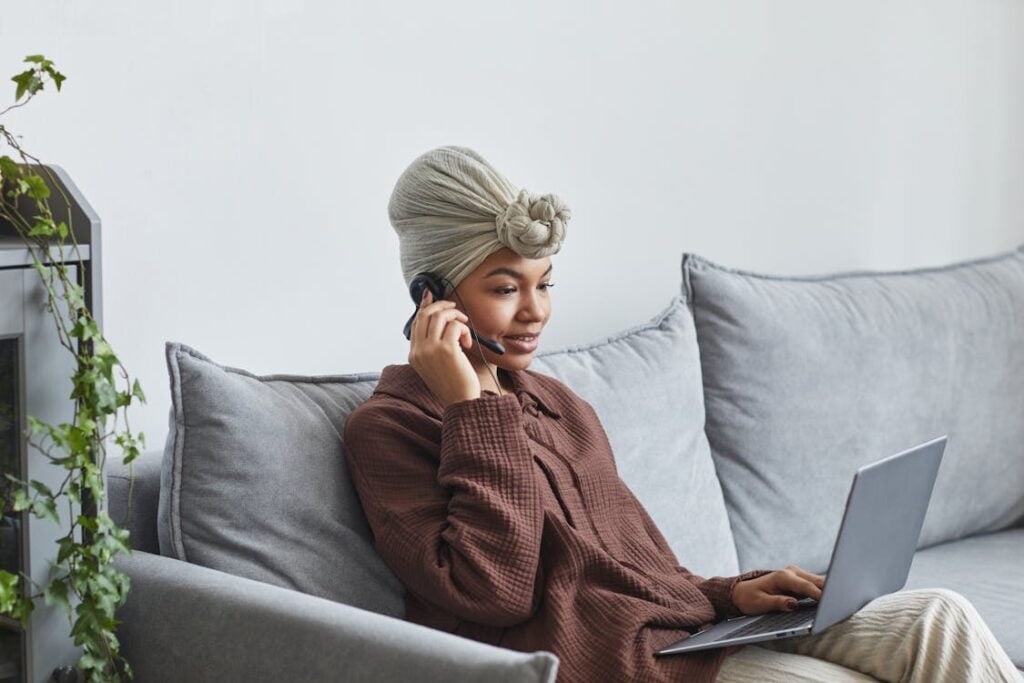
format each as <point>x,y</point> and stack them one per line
<point>808,378</point>
<point>133,497</point>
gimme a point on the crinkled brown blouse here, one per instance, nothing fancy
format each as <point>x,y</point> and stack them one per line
<point>507,522</point>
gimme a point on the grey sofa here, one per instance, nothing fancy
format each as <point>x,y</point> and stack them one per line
<point>738,416</point>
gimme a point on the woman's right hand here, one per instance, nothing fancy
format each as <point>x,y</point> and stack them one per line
<point>439,335</point>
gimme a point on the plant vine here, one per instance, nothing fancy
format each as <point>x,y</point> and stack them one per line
<point>83,580</point>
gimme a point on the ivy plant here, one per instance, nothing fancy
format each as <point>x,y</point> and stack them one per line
<point>83,580</point>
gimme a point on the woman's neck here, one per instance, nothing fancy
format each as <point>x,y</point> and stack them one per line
<point>487,379</point>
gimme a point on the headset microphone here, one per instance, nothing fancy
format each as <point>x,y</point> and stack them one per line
<point>434,283</point>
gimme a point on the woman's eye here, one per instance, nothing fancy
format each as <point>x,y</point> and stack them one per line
<point>505,291</point>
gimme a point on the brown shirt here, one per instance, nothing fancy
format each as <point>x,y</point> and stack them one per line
<point>507,522</point>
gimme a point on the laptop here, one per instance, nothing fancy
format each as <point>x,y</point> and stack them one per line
<point>871,557</point>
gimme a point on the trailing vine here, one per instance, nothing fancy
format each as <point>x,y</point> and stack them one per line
<point>83,580</point>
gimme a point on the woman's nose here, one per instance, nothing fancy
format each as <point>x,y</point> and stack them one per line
<point>532,308</point>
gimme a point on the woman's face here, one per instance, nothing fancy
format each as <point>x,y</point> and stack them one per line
<point>507,299</point>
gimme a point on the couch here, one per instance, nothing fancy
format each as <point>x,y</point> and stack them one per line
<point>252,560</point>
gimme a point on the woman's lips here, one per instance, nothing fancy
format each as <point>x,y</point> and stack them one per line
<point>522,343</point>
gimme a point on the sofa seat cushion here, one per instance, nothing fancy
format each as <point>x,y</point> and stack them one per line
<point>645,385</point>
<point>987,570</point>
<point>254,482</point>
<point>808,378</point>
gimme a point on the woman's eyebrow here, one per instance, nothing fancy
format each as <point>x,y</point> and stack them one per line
<point>513,273</point>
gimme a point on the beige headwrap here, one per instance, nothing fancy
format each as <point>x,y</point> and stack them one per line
<point>452,209</point>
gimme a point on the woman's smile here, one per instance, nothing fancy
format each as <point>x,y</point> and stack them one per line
<point>521,343</point>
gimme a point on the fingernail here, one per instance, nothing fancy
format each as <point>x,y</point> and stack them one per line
<point>791,604</point>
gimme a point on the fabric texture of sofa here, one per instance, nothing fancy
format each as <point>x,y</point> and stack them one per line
<point>253,561</point>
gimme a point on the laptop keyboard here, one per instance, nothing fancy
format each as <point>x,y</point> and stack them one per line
<point>778,621</point>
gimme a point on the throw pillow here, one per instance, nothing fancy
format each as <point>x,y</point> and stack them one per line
<point>254,481</point>
<point>808,378</point>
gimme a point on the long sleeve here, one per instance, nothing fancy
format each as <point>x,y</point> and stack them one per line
<point>717,589</point>
<point>457,515</point>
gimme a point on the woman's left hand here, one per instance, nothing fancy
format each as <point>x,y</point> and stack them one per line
<point>777,591</point>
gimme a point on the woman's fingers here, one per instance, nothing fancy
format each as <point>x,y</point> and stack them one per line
<point>817,579</point>
<point>438,320</point>
<point>458,333</point>
<point>432,317</point>
<point>794,583</point>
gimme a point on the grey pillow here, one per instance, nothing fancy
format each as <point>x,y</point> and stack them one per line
<point>645,385</point>
<point>808,378</point>
<point>254,482</point>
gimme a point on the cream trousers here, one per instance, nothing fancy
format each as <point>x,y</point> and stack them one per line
<point>931,635</point>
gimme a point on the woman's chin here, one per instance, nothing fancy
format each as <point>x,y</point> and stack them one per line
<point>511,361</point>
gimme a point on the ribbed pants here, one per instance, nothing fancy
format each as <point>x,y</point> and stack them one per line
<point>931,635</point>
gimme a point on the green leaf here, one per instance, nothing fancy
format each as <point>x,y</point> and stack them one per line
<point>46,508</point>
<point>106,396</point>
<point>94,663</point>
<point>36,426</point>
<point>57,594</point>
<point>28,82</point>
<point>21,500</point>
<point>57,77</point>
<point>9,168</point>
<point>43,226</point>
<point>22,611</point>
<point>66,548</point>
<point>23,80</point>
<point>37,188</point>
<point>10,593</point>
<point>36,59</point>
<point>137,391</point>
<point>75,295</point>
<point>90,524</point>
<point>74,492</point>
<point>41,488</point>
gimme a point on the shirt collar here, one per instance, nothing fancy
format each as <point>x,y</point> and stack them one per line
<point>402,381</point>
<point>530,390</point>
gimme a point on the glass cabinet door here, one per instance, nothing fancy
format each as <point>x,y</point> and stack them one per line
<point>10,522</point>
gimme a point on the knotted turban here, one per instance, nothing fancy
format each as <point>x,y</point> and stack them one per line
<point>452,209</point>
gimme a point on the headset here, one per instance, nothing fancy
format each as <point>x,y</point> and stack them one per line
<point>435,283</point>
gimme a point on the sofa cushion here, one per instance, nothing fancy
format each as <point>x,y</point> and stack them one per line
<point>645,386</point>
<point>985,569</point>
<point>254,482</point>
<point>808,378</point>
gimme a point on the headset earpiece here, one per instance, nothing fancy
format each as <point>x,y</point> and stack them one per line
<point>435,283</point>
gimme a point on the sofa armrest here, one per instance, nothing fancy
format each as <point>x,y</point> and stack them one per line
<point>187,622</point>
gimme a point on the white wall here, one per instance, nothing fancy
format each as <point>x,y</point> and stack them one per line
<point>241,153</point>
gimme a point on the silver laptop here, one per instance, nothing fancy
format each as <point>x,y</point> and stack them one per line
<point>872,555</point>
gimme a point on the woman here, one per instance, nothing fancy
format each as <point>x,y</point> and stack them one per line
<point>492,493</point>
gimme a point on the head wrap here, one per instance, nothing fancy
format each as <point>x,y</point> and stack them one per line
<point>452,209</point>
